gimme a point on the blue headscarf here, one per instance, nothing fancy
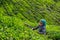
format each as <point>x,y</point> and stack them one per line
<point>43,21</point>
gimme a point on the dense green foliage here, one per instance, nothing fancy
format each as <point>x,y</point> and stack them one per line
<point>14,13</point>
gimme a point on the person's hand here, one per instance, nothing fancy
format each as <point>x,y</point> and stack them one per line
<point>32,29</point>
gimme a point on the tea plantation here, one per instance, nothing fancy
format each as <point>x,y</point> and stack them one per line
<point>15,13</point>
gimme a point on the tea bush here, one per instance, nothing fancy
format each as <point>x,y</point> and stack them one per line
<point>15,13</point>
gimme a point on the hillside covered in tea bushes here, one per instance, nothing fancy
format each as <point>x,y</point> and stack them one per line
<point>15,13</point>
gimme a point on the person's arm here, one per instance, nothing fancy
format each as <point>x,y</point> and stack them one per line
<point>35,28</point>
